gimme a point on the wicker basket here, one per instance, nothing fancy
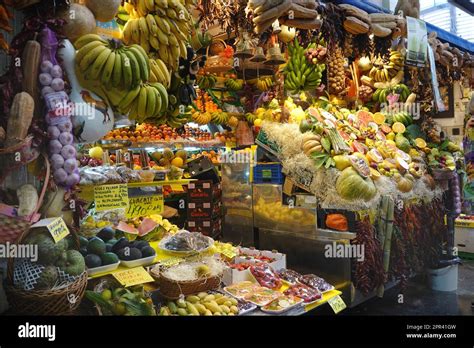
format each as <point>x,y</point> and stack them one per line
<point>172,289</point>
<point>62,301</point>
<point>12,227</point>
<point>217,64</point>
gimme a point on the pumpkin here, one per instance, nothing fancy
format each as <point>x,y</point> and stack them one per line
<point>350,185</point>
<point>405,183</point>
<point>429,181</point>
<point>337,222</point>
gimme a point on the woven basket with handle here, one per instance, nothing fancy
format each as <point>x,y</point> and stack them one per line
<point>12,227</point>
<point>61,301</point>
<point>217,64</point>
<point>172,289</point>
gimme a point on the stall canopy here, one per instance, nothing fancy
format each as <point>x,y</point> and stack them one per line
<point>443,35</point>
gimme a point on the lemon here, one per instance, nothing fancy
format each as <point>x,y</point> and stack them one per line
<point>106,294</point>
<point>177,162</point>
<point>96,152</point>
<point>257,122</point>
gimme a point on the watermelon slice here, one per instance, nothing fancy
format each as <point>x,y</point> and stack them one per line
<point>364,117</point>
<point>129,232</point>
<point>146,226</point>
<point>315,113</point>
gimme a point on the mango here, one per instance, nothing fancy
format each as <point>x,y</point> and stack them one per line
<point>182,312</point>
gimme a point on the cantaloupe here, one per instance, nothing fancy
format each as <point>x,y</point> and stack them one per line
<point>103,10</point>
<point>79,21</point>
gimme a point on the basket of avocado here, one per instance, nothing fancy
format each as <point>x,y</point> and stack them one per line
<point>55,283</point>
<point>110,298</point>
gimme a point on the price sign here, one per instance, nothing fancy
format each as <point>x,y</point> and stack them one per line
<point>228,253</point>
<point>56,226</point>
<point>145,205</point>
<point>267,173</point>
<point>337,304</point>
<point>108,197</point>
<point>134,276</point>
<point>171,261</point>
<point>177,188</point>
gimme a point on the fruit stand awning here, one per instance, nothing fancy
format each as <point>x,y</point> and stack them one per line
<point>443,35</point>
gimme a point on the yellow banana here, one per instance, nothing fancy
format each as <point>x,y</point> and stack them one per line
<point>163,38</point>
<point>145,43</point>
<point>163,24</point>
<point>86,49</point>
<point>152,25</point>
<point>86,39</point>
<point>175,30</point>
<point>108,69</point>
<point>144,32</point>
<point>90,56</point>
<point>161,4</point>
<point>133,115</point>
<point>153,77</point>
<point>158,100</point>
<point>183,52</point>
<point>127,32</point>
<point>173,41</point>
<point>150,5</point>
<point>142,60</point>
<point>135,30</point>
<point>127,101</point>
<point>132,61</point>
<point>150,101</point>
<point>96,67</point>
<point>127,70</point>
<point>142,99</point>
<point>141,8</point>
<point>163,68</point>
<point>171,13</point>
<point>154,42</point>
<point>117,73</point>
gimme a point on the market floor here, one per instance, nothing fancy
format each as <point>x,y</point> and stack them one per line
<point>420,300</point>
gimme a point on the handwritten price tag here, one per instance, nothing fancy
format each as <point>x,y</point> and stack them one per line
<point>228,253</point>
<point>144,206</point>
<point>108,197</point>
<point>56,227</point>
<point>337,304</point>
<point>134,276</point>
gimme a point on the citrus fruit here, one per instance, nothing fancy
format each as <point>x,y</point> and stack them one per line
<point>398,127</point>
<point>374,174</point>
<point>379,118</point>
<point>420,143</point>
<point>257,122</point>
<point>177,162</point>
<point>96,152</point>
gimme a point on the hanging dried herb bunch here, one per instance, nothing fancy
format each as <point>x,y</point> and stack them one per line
<point>382,46</point>
<point>332,28</point>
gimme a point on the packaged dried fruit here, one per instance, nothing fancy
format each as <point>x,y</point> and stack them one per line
<point>304,292</point>
<point>266,276</point>
<point>316,282</point>
<point>263,296</point>
<point>289,275</point>
<point>242,289</point>
<point>282,304</point>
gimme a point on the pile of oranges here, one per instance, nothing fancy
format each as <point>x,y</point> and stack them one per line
<point>225,136</point>
<point>143,133</point>
<point>212,155</point>
<point>205,104</point>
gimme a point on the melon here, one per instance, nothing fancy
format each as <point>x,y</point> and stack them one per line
<point>103,10</point>
<point>350,185</point>
<point>79,21</point>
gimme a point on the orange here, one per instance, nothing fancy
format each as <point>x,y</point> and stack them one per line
<point>420,143</point>
<point>177,162</point>
<point>398,127</point>
<point>379,118</point>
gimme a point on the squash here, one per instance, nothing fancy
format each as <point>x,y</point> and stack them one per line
<point>103,10</point>
<point>350,185</point>
<point>31,60</point>
<point>21,114</point>
<point>28,200</point>
<point>337,222</point>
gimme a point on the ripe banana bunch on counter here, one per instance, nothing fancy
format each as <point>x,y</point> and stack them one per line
<point>161,25</point>
<point>219,117</point>
<point>264,83</point>
<point>384,71</point>
<point>202,118</point>
<point>311,143</point>
<point>207,81</point>
<point>236,85</point>
<point>111,63</point>
<point>148,101</point>
<point>159,72</point>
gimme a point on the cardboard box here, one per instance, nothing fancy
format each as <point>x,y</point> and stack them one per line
<point>204,210</point>
<point>209,227</point>
<point>231,276</point>
<point>204,191</point>
<point>464,236</point>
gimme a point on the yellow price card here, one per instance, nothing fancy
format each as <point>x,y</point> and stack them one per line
<point>172,261</point>
<point>177,188</point>
<point>133,276</point>
<point>108,197</point>
<point>337,304</point>
<point>56,227</point>
<point>145,205</point>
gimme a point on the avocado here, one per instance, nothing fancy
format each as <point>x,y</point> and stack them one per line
<point>141,244</point>
<point>120,244</point>
<point>129,254</point>
<point>148,251</point>
<point>108,248</point>
<point>93,261</point>
<point>96,246</point>
<point>71,243</point>
<point>83,241</point>
<point>109,258</point>
<point>112,241</point>
<point>106,233</point>
<point>83,251</point>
